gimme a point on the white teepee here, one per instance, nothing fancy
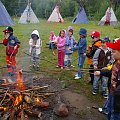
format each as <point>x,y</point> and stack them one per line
<point>28,16</point>
<point>56,16</point>
<point>109,18</point>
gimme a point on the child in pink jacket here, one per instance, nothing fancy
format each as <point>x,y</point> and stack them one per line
<point>60,41</point>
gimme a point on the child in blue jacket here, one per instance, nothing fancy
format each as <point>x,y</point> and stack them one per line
<point>81,47</point>
<point>69,43</point>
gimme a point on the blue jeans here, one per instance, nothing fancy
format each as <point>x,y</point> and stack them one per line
<point>81,60</point>
<point>104,83</point>
<point>51,45</point>
<point>111,114</point>
<point>104,108</point>
<point>68,60</point>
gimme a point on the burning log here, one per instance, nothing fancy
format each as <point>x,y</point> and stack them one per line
<point>33,89</point>
<point>19,101</point>
<point>33,113</point>
<point>27,99</point>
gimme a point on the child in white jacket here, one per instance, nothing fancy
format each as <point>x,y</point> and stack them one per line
<point>35,48</point>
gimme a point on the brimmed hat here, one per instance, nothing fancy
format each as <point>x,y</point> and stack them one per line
<point>83,31</point>
<point>114,45</point>
<point>105,39</point>
<point>95,34</point>
<point>8,30</point>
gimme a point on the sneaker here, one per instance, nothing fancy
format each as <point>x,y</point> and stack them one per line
<point>72,66</point>
<point>104,111</point>
<point>105,96</point>
<point>77,77</point>
<point>62,68</point>
<point>100,109</point>
<point>94,92</point>
<point>57,66</point>
<point>38,66</point>
<point>53,53</point>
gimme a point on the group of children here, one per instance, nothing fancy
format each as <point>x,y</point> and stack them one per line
<point>101,54</point>
<point>66,44</point>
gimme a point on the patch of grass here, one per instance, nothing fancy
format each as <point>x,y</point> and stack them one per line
<point>82,113</point>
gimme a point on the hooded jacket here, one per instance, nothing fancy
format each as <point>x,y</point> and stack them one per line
<point>38,44</point>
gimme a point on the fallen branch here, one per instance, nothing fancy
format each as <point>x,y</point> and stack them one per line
<point>33,89</point>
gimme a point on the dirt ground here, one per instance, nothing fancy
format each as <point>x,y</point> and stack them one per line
<point>80,108</point>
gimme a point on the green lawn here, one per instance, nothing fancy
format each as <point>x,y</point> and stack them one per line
<point>48,63</point>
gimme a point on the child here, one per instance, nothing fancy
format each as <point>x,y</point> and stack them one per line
<point>113,105</point>
<point>81,47</point>
<point>51,43</point>
<point>35,48</point>
<point>101,59</point>
<point>12,44</point>
<point>114,96</point>
<point>60,41</point>
<point>70,41</point>
<point>96,44</point>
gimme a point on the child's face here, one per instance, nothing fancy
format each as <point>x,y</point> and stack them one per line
<point>116,54</point>
<point>62,34</point>
<point>35,38</point>
<point>103,44</point>
<point>94,39</point>
<point>70,34</point>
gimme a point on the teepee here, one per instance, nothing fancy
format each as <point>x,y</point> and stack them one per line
<point>28,16</point>
<point>81,17</point>
<point>5,19</point>
<point>109,18</point>
<point>56,16</point>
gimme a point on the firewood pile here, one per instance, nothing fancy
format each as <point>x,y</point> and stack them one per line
<point>19,101</point>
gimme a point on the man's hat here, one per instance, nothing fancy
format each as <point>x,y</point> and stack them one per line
<point>114,45</point>
<point>8,30</point>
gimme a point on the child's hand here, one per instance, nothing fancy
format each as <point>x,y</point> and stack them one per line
<point>97,73</point>
<point>15,47</point>
<point>95,67</point>
<point>69,48</point>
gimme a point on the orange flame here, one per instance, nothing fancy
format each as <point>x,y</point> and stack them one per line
<point>20,83</point>
<point>38,100</point>
<point>18,99</point>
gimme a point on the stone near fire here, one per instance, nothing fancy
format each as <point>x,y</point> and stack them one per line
<point>61,110</point>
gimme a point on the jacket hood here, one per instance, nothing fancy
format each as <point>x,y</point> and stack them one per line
<point>36,32</point>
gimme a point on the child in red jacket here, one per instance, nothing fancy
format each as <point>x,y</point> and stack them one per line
<point>12,44</point>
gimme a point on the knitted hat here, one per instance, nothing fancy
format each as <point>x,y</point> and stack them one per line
<point>83,32</point>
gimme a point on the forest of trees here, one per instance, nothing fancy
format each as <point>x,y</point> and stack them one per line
<point>95,9</point>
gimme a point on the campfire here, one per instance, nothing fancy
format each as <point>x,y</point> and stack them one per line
<point>20,101</point>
